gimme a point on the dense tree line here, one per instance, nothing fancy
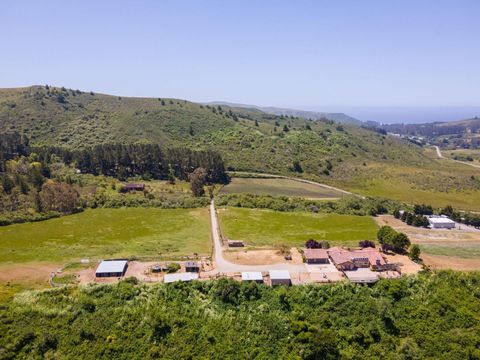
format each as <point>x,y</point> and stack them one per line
<point>350,205</point>
<point>150,161</point>
<point>466,218</point>
<point>429,316</point>
<point>413,219</point>
<point>12,145</point>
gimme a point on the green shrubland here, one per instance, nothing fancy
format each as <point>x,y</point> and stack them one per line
<point>429,316</point>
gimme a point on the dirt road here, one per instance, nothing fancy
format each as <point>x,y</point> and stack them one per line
<point>440,156</point>
<point>222,265</point>
<point>300,180</point>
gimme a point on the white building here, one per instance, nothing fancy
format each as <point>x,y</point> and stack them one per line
<point>252,276</point>
<point>111,268</point>
<point>280,277</point>
<point>441,222</point>
<point>186,276</point>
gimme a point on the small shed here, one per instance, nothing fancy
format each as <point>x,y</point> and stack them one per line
<point>316,256</point>
<point>133,187</point>
<point>235,243</point>
<point>280,277</point>
<point>255,276</point>
<point>111,268</point>
<point>158,268</point>
<point>169,278</point>
<point>192,266</point>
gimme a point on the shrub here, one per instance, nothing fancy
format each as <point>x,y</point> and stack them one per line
<point>173,267</point>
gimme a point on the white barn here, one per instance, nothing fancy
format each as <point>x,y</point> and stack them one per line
<point>111,268</point>
<point>441,222</point>
<point>186,276</point>
<point>280,277</point>
<point>255,276</point>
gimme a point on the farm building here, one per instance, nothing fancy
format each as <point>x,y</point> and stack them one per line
<point>111,268</point>
<point>255,276</point>
<point>441,222</point>
<point>235,243</point>
<point>362,276</point>
<point>365,258</point>
<point>192,266</point>
<point>280,277</point>
<point>133,187</point>
<point>158,268</point>
<point>316,256</point>
<point>187,276</point>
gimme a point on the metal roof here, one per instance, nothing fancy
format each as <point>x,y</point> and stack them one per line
<point>279,274</point>
<point>111,266</point>
<point>440,220</point>
<point>169,278</point>
<point>252,275</point>
<point>361,275</point>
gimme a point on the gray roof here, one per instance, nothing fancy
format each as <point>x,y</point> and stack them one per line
<point>168,278</point>
<point>252,275</point>
<point>279,274</point>
<point>111,266</point>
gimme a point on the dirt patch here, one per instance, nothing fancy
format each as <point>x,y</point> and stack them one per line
<point>407,266</point>
<point>28,273</point>
<point>451,262</point>
<point>261,257</point>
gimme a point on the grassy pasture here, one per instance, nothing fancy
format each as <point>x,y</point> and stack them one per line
<point>108,233</point>
<point>269,228</point>
<point>279,187</point>
<point>450,184</point>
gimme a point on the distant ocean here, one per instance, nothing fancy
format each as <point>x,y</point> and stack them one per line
<point>390,115</point>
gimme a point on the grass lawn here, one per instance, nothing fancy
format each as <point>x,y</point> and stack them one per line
<point>462,250</point>
<point>268,227</point>
<point>108,233</point>
<point>278,187</point>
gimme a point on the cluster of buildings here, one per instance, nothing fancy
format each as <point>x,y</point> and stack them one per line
<point>359,266</point>
<point>345,260</point>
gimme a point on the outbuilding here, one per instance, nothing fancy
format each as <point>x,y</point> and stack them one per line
<point>316,256</point>
<point>280,277</point>
<point>255,276</point>
<point>111,268</point>
<point>192,266</point>
<point>235,243</point>
<point>133,187</point>
<point>441,222</point>
<point>186,276</point>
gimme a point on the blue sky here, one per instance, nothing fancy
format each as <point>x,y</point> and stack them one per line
<point>323,55</point>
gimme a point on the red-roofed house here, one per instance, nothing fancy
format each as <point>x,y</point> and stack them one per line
<point>316,256</point>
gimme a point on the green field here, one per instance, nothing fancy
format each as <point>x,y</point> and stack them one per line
<point>450,184</point>
<point>108,233</point>
<point>279,187</point>
<point>462,250</point>
<point>268,227</point>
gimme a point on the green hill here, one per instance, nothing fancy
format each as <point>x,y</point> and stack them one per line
<point>247,139</point>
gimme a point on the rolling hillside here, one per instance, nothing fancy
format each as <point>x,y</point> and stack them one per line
<point>314,115</point>
<point>247,139</point>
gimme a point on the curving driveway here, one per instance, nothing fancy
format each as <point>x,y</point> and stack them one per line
<point>224,266</point>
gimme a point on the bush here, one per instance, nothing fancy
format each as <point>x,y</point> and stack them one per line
<point>414,252</point>
<point>173,267</point>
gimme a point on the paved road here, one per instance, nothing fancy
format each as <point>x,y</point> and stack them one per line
<point>440,155</point>
<point>223,266</point>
